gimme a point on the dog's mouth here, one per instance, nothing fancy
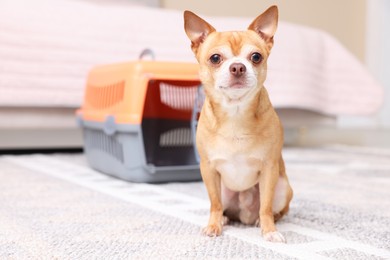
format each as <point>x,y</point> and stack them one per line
<point>238,86</point>
<point>235,85</point>
<point>235,91</point>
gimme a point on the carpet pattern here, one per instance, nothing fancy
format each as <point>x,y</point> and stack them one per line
<point>56,207</point>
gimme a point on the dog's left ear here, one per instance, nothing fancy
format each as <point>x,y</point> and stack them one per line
<point>265,24</point>
<point>196,29</point>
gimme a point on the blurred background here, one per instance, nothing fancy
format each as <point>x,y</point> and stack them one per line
<point>48,47</point>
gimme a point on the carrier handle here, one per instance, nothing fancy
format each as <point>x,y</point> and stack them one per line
<point>147,52</point>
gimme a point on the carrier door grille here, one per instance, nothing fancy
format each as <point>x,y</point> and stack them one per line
<point>176,97</point>
<point>178,137</point>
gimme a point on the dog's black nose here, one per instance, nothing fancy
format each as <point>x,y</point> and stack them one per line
<point>237,69</point>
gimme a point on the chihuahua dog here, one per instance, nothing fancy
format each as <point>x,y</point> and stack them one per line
<point>239,135</point>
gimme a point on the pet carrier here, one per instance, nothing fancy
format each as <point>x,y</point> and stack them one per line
<point>137,121</point>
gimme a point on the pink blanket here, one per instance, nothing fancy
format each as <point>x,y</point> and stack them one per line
<point>47,48</point>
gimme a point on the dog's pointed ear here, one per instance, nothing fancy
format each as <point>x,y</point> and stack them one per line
<point>265,24</point>
<point>196,29</point>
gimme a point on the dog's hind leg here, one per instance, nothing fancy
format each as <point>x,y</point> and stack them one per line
<point>283,194</point>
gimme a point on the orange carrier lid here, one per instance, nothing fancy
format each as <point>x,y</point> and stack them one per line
<point>119,89</point>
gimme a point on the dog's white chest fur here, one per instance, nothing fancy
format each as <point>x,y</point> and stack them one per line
<point>238,166</point>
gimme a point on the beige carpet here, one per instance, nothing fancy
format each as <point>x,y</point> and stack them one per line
<point>56,207</point>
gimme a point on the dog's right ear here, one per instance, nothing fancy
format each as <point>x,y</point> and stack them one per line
<point>196,29</point>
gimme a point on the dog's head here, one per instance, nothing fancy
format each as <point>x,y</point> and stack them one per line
<point>232,64</point>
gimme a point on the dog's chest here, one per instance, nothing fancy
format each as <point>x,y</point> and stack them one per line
<point>238,161</point>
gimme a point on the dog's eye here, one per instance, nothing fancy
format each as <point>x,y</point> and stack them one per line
<point>215,59</point>
<point>256,57</point>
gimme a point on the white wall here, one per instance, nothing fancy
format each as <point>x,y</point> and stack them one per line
<point>378,50</point>
<point>377,59</point>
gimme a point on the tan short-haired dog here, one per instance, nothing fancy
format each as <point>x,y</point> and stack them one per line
<point>239,135</point>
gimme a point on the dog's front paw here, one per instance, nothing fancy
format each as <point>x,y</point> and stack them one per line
<point>212,230</point>
<point>275,237</point>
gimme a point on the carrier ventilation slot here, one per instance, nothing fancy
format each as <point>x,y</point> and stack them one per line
<point>176,138</point>
<point>96,139</point>
<point>178,97</point>
<point>102,97</point>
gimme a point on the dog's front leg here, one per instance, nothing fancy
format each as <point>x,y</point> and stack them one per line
<point>267,182</point>
<point>212,180</point>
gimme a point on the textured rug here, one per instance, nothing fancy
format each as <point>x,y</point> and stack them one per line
<point>56,207</point>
